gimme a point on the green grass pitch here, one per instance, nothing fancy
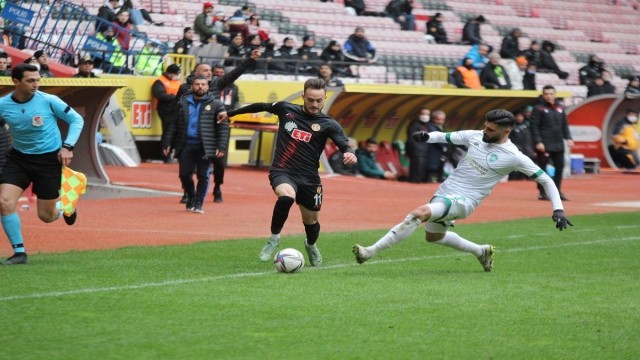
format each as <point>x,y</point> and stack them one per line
<point>552,295</point>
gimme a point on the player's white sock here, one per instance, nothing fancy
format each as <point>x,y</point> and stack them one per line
<point>396,234</point>
<point>275,238</point>
<point>455,241</point>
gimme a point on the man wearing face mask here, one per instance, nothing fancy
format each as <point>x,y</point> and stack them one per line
<point>417,151</point>
<point>466,76</point>
<point>164,91</point>
<point>591,71</point>
<point>624,149</point>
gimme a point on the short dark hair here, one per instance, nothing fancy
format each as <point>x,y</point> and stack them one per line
<point>548,87</point>
<point>17,72</point>
<point>371,141</point>
<point>500,117</point>
<point>200,77</point>
<point>219,67</point>
<point>315,84</point>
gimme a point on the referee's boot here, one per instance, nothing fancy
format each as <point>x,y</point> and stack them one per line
<point>17,258</point>
<point>71,219</point>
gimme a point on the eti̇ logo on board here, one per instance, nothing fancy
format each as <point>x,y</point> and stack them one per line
<point>141,115</point>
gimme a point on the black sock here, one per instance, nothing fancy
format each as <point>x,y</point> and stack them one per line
<point>280,213</point>
<point>313,232</point>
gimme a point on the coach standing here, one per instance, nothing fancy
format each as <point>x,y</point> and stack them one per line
<point>550,129</point>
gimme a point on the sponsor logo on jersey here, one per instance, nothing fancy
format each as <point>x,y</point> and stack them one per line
<point>481,169</point>
<point>290,126</point>
<point>493,157</point>
<point>301,135</point>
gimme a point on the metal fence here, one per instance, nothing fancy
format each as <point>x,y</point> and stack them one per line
<point>66,31</point>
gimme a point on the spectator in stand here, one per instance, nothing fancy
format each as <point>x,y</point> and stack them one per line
<point>13,34</point>
<point>517,71</point>
<point>43,58</point>
<point>333,55</point>
<point>529,79</point>
<point>466,77</point>
<point>310,61</point>
<point>633,88</point>
<point>510,48</point>
<point>599,87</point>
<point>357,7</point>
<point>113,62</point>
<point>236,50</point>
<point>237,23</point>
<point>521,137</point>
<point>400,12</point>
<point>269,60</point>
<point>548,63</point>
<point>358,49</point>
<point>471,31</point>
<point>606,76</point>
<point>354,7</point>
<point>494,76</point>
<point>435,30</point>
<point>134,8</point>
<point>253,42</point>
<point>288,52</point>
<point>624,150</point>
<point>534,53</point>
<point>106,13</point>
<point>205,25</point>
<point>124,36</point>
<point>164,91</point>
<point>4,64</point>
<point>253,28</point>
<point>336,160</point>
<point>417,151</point>
<point>479,55</point>
<point>184,45</point>
<point>550,131</point>
<point>85,67</point>
<point>325,73</point>
<point>244,12</point>
<point>367,163</point>
<point>593,69</point>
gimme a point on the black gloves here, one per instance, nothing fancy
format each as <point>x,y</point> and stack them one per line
<point>560,219</point>
<point>420,136</point>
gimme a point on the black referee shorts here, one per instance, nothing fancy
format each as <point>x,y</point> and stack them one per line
<point>43,170</point>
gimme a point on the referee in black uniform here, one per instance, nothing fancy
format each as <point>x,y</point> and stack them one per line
<point>302,133</point>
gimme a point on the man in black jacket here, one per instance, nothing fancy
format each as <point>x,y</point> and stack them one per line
<point>435,29</point>
<point>216,84</point>
<point>198,138</point>
<point>510,48</point>
<point>550,129</point>
<point>471,31</point>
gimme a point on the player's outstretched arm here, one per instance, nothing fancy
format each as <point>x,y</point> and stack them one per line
<point>560,220</point>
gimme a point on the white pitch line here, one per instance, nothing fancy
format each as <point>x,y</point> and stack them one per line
<point>252,274</point>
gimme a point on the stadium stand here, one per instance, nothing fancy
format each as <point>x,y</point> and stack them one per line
<point>578,28</point>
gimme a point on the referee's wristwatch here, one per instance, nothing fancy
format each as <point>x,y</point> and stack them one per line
<point>68,147</point>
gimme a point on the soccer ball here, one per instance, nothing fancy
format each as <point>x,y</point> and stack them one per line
<point>288,260</point>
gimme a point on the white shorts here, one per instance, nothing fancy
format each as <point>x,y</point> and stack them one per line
<point>455,207</point>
